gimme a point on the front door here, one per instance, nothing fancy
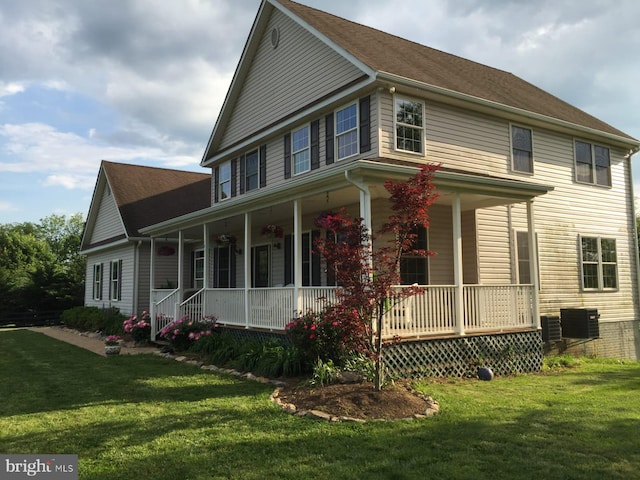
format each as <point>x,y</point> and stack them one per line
<point>260,266</point>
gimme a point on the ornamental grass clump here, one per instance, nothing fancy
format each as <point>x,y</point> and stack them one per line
<point>182,333</point>
<point>138,328</point>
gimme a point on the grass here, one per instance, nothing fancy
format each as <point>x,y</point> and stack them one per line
<point>152,418</point>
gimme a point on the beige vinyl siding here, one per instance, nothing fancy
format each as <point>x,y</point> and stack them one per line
<point>570,210</point>
<point>108,223</point>
<point>166,267</point>
<point>300,70</point>
<point>126,254</point>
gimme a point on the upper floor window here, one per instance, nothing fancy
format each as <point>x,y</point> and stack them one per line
<point>224,182</point>
<point>252,171</point>
<point>409,118</point>
<point>300,150</point>
<point>593,164</point>
<point>347,131</point>
<point>599,263</point>
<point>521,149</point>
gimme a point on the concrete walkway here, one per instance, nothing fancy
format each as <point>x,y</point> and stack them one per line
<point>89,341</point>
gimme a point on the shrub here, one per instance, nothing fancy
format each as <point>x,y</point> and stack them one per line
<point>106,320</point>
<point>182,333</point>
<point>333,334</point>
<point>139,329</point>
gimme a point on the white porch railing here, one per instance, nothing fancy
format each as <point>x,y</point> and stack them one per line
<point>486,308</point>
<point>164,309</point>
<point>497,307</point>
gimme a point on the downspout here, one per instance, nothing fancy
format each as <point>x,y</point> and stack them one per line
<point>635,228</point>
<point>136,271</point>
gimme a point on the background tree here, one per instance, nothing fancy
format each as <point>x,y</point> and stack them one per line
<point>40,265</point>
<point>366,276</point>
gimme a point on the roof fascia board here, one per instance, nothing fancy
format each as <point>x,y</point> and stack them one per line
<point>307,185</point>
<point>484,104</point>
<point>234,89</point>
<point>334,178</point>
<point>456,181</point>
<point>331,44</point>
<point>92,214</point>
<point>107,246</point>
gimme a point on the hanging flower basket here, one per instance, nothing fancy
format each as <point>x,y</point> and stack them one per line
<point>166,251</point>
<point>224,239</point>
<point>272,230</point>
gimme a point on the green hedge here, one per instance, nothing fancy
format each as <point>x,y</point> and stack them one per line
<point>94,319</point>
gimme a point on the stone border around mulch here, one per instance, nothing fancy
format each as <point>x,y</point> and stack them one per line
<point>433,407</point>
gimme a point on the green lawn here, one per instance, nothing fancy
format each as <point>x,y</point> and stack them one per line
<point>146,417</point>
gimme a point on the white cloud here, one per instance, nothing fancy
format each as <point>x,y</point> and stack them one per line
<point>70,160</point>
<point>7,206</point>
<point>10,88</point>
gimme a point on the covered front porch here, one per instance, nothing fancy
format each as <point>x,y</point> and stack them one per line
<point>226,267</point>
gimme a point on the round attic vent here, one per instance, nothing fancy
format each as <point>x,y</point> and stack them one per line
<point>275,37</point>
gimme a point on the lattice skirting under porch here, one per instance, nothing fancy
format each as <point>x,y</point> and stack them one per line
<point>505,354</point>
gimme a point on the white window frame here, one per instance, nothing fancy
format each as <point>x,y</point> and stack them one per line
<point>224,181</point>
<point>301,151</point>
<point>97,281</point>
<point>350,131</point>
<point>419,128</point>
<point>593,165</point>
<point>512,148</point>
<point>518,258</point>
<point>255,152</point>
<point>600,263</point>
<point>114,281</point>
<point>198,261</point>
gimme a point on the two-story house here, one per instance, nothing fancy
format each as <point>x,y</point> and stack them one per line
<point>535,212</point>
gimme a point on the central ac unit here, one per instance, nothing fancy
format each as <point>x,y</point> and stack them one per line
<point>580,322</point>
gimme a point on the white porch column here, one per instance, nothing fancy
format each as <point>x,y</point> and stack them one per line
<point>152,276</point>
<point>180,269</point>
<point>247,267</point>
<point>207,257</point>
<point>458,277</point>
<point>297,254</point>
<point>365,213</point>
<point>533,262</point>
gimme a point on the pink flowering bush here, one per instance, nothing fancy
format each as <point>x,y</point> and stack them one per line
<point>333,334</point>
<point>182,333</point>
<point>138,328</point>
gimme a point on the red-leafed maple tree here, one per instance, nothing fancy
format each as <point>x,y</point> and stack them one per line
<point>365,275</point>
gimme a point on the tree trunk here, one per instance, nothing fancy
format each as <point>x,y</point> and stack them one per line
<point>379,374</point>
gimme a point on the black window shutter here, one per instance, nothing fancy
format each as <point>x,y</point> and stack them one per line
<point>110,282</point>
<point>263,166</point>
<point>315,144</point>
<point>329,138</point>
<point>288,259</point>
<point>243,166</point>
<point>120,276</point>
<point>101,281</point>
<point>234,177</point>
<point>287,155</point>
<point>315,259</point>
<point>216,184</point>
<point>365,124</point>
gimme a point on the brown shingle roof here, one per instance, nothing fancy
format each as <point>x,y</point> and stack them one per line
<point>387,53</point>
<point>148,195</point>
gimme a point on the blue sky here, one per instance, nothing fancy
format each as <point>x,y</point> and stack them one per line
<point>138,81</point>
